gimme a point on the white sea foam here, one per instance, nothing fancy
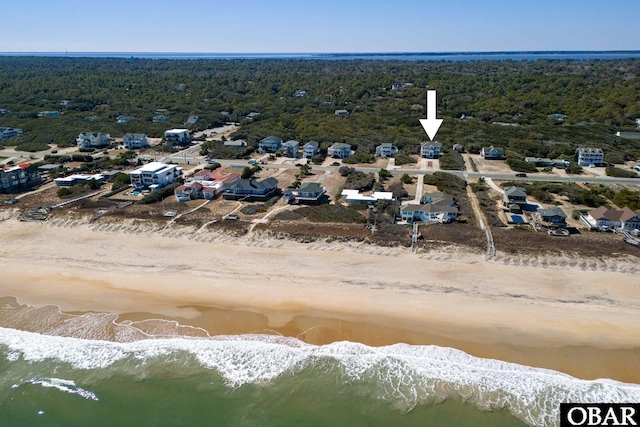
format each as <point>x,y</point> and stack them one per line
<point>402,375</point>
<point>64,385</point>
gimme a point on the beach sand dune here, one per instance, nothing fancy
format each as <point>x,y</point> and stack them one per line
<point>543,310</point>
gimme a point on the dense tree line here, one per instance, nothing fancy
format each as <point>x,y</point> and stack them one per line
<point>597,97</point>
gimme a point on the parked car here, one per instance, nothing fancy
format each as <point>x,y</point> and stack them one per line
<point>521,175</point>
<point>211,161</point>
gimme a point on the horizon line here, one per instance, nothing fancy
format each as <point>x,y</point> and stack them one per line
<point>461,52</point>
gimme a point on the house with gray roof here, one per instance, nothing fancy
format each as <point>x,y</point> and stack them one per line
<point>553,215</point>
<point>290,148</point>
<point>492,153</point>
<point>386,149</point>
<point>270,144</point>
<point>339,150</point>
<point>430,150</point>
<point>250,189</point>
<point>515,196</point>
<point>309,193</point>
<point>310,149</point>
<point>588,156</point>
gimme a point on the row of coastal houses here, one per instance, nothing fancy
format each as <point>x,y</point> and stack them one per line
<point>14,179</point>
<point>339,150</point>
<point>175,137</point>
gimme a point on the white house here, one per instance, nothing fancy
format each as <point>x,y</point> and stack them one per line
<point>386,149</point>
<point>310,149</point>
<point>430,150</point>
<point>78,178</point>
<point>354,196</point>
<point>339,150</point>
<point>431,212</point>
<point>588,156</point>
<point>602,218</point>
<point>154,175</point>
<point>341,113</point>
<point>135,140</point>
<point>177,136</point>
<point>93,139</point>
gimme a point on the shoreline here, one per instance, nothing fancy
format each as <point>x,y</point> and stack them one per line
<point>583,323</point>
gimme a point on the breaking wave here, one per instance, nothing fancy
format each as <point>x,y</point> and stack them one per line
<point>402,375</point>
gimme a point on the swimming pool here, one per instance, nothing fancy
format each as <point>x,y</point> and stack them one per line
<point>517,219</point>
<point>136,192</point>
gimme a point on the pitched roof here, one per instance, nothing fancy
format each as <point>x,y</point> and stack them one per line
<point>553,211</point>
<point>310,187</point>
<point>430,208</point>
<point>312,144</point>
<point>623,214</point>
<point>515,191</point>
<point>251,183</point>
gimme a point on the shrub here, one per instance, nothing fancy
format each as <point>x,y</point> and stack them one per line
<point>574,169</point>
<point>520,165</point>
<point>452,160</point>
<point>119,181</point>
<point>620,173</point>
<point>213,166</point>
<point>158,195</point>
<point>406,179</point>
<point>384,174</point>
<point>403,159</point>
<point>64,191</point>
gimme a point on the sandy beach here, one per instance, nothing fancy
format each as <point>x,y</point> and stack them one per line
<point>582,321</point>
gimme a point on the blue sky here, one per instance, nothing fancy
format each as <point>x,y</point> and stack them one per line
<point>276,26</point>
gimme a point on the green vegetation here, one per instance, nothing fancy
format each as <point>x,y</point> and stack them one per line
<point>331,213</point>
<point>628,198</point>
<point>384,174</point>
<point>515,162</point>
<point>452,160</point>
<point>446,182</point>
<point>64,191</point>
<point>598,97</point>
<point>574,169</point>
<point>403,159</point>
<point>620,173</point>
<point>357,180</point>
<point>406,179</point>
<point>160,194</point>
<point>120,180</point>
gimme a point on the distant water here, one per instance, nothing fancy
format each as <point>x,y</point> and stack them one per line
<point>408,56</point>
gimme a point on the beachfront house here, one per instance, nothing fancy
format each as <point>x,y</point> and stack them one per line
<point>430,212</point>
<point>339,150</point>
<point>310,149</point>
<point>386,149</point>
<point>354,196</point>
<point>154,175</point>
<point>8,132</point>
<point>187,192</point>
<point>93,140</point>
<point>515,196</point>
<point>430,150</point>
<point>438,197</point>
<point>589,156</point>
<point>491,153</point>
<point>133,141</point>
<point>18,178</point>
<point>250,189</point>
<point>204,184</point>
<point>177,137</point>
<point>270,144</point>
<point>553,215</point>
<point>309,193</point>
<point>290,149</point>
<point>79,178</point>
<point>602,218</point>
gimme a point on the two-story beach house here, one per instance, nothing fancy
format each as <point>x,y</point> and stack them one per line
<point>430,150</point>
<point>18,178</point>
<point>589,156</point>
<point>177,137</point>
<point>603,218</point>
<point>250,189</point>
<point>553,215</point>
<point>515,198</point>
<point>439,207</point>
<point>134,141</point>
<point>386,149</point>
<point>309,193</point>
<point>339,150</point>
<point>93,139</point>
<point>270,144</point>
<point>290,148</point>
<point>310,149</point>
<point>491,153</point>
<point>154,175</point>
<point>204,184</point>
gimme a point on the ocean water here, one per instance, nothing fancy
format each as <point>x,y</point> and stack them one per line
<point>381,56</point>
<point>269,380</point>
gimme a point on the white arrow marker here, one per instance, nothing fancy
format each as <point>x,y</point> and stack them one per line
<point>431,124</point>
